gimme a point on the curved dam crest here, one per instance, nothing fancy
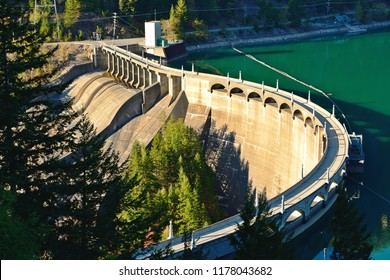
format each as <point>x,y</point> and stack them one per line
<point>280,142</point>
<point>285,144</point>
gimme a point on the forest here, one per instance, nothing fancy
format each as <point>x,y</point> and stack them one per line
<point>188,19</point>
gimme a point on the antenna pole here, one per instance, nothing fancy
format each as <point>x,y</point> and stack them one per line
<point>113,33</point>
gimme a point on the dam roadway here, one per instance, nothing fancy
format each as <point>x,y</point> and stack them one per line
<point>294,148</point>
<point>334,159</point>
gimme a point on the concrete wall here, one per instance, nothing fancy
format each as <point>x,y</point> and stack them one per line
<point>277,141</point>
<point>150,96</point>
<point>108,104</point>
<point>274,144</point>
<point>73,72</point>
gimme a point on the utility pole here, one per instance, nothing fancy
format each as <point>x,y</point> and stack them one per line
<point>113,32</point>
<point>52,7</point>
<point>328,7</point>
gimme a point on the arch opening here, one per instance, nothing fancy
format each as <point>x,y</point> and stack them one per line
<point>319,198</point>
<point>309,122</point>
<point>333,186</point>
<point>285,108</point>
<point>298,114</point>
<point>270,101</point>
<point>217,86</point>
<point>295,215</point>
<point>237,91</point>
<point>254,96</point>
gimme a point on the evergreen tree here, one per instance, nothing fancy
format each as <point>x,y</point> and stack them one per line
<point>259,236</point>
<point>44,29</point>
<point>127,6</point>
<point>351,241</point>
<point>181,12</point>
<point>200,30</point>
<point>268,13</point>
<point>19,239</point>
<point>169,182</point>
<point>20,51</point>
<point>34,133</point>
<point>173,28</point>
<point>296,12</point>
<point>142,206</point>
<point>191,213</point>
<point>89,173</point>
<point>72,12</point>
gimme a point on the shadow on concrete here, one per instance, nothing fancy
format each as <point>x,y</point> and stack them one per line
<point>224,158</point>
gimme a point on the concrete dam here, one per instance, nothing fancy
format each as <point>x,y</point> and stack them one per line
<point>291,147</point>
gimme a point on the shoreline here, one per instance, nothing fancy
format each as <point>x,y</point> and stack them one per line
<point>286,37</point>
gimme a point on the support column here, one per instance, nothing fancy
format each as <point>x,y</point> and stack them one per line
<point>136,76</point>
<point>122,69</point>
<point>132,80</point>
<point>143,77</point>
<point>113,64</point>
<point>108,62</point>
<point>150,77</point>
<point>170,86</point>
<point>118,69</point>
<point>127,71</point>
<point>327,176</point>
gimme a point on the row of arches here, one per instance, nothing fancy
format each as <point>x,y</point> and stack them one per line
<point>269,101</point>
<point>320,200</point>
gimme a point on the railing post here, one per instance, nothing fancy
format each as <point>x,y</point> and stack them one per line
<point>170,236</point>
<point>282,206</point>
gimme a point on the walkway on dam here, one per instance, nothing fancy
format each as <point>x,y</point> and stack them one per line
<point>333,158</point>
<point>297,198</point>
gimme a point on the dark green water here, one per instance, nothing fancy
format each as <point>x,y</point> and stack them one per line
<point>356,71</point>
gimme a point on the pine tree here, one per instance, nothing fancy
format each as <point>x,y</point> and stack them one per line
<point>19,239</point>
<point>191,213</point>
<point>127,6</point>
<point>259,236</point>
<point>90,172</point>
<point>44,29</point>
<point>181,12</point>
<point>20,52</point>
<point>296,12</point>
<point>351,241</point>
<point>72,12</point>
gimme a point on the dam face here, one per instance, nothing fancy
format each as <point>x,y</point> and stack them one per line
<point>252,134</point>
<point>276,141</point>
<point>280,141</point>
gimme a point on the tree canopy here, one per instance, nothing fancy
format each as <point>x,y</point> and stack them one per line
<point>260,237</point>
<point>171,181</point>
<point>351,240</point>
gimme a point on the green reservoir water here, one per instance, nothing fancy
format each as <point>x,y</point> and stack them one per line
<point>356,71</point>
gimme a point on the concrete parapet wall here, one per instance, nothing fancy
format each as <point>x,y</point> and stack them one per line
<point>150,96</point>
<point>178,109</point>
